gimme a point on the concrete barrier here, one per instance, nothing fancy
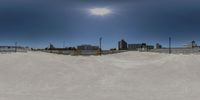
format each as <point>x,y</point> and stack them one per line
<point>83,52</point>
<point>178,50</point>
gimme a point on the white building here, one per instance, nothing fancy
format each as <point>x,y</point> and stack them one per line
<point>87,47</point>
<point>13,49</point>
<point>191,45</point>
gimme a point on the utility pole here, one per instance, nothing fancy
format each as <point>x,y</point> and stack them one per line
<point>100,39</point>
<point>15,46</point>
<point>170,51</point>
<point>63,44</point>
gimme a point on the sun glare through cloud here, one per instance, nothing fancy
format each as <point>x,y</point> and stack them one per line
<point>100,11</point>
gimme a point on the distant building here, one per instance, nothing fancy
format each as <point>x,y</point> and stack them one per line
<point>13,49</point>
<point>51,47</point>
<point>158,46</point>
<point>194,44</point>
<point>135,46</point>
<point>191,45</point>
<point>87,47</point>
<point>149,47</point>
<point>140,47</point>
<point>122,45</point>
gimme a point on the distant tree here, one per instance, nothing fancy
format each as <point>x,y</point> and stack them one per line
<point>112,49</point>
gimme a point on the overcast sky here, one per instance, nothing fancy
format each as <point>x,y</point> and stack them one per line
<point>36,23</point>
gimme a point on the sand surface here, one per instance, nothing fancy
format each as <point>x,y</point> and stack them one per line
<point>123,76</point>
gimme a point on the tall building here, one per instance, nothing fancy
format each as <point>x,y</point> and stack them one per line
<point>122,45</point>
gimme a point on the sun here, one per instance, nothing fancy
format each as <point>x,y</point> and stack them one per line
<point>100,11</point>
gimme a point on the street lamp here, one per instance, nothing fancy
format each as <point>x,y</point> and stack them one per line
<point>100,39</point>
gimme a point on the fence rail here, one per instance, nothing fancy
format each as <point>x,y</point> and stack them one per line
<point>83,52</point>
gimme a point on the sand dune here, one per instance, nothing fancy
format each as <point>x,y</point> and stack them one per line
<point>123,76</point>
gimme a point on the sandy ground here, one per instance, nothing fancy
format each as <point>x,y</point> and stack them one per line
<point>124,76</point>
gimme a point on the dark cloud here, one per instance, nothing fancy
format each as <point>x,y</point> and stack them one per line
<point>161,19</point>
<point>68,19</point>
<point>31,19</point>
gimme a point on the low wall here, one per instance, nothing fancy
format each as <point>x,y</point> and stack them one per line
<point>178,50</point>
<point>66,52</point>
<point>83,52</point>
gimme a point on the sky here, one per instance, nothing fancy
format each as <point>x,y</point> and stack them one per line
<point>36,23</point>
